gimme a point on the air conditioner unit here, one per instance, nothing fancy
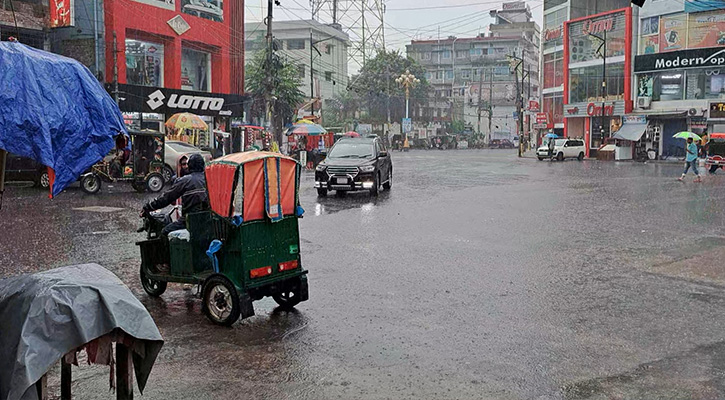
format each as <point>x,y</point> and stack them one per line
<point>692,112</point>
<point>644,102</point>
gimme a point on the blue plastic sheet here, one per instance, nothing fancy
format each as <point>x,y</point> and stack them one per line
<point>53,110</point>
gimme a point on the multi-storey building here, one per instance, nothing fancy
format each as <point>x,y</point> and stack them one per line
<point>176,56</point>
<point>680,70</point>
<point>556,13</point>
<point>302,42</point>
<point>462,71</point>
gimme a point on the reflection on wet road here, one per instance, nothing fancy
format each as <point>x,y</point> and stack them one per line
<point>479,275</point>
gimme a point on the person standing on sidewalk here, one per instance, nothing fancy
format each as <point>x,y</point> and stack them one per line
<point>691,160</point>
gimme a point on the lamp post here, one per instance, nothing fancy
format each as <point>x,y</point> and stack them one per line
<point>516,63</point>
<point>408,80</point>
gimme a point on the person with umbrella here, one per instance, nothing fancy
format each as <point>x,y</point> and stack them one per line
<point>551,143</point>
<point>691,159</point>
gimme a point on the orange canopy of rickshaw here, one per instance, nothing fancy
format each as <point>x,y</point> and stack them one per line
<point>253,185</point>
<point>716,136</point>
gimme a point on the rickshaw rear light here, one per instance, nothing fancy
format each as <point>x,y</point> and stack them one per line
<point>260,272</point>
<point>288,266</point>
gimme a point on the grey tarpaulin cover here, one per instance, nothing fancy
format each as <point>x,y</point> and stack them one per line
<point>45,315</point>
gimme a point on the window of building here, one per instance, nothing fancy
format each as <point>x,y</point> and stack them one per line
<point>585,84</point>
<point>553,106</point>
<point>425,56</point>
<point>302,70</point>
<point>476,52</point>
<point>554,69</point>
<point>295,44</point>
<point>706,83</point>
<point>461,53</point>
<point>195,70</point>
<point>328,76</point>
<point>446,54</point>
<point>466,73</point>
<point>449,74</point>
<point>439,74</point>
<point>144,63</point>
<point>663,86</point>
<point>555,19</point>
<point>329,48</point>
<point>553,3</point>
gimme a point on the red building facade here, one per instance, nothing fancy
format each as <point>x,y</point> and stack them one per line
<point>175,56</point>
<point>588,114</point>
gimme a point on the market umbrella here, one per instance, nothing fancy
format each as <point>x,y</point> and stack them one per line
<point>686,135</point>
<point>305,129</point>
<point>351,134</point>
<point>305,121</point>
<point>186,121</point>
<point>551,135</point>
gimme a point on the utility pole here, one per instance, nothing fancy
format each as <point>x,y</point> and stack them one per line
<point>115,68</point>
<point>604,79</point>
<point>334,11</point>
<point>480,89</point>
<point>270,48</point>
<point>312,79</point>
<point>490,103</point>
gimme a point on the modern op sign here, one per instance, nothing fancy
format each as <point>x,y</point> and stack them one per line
<point>694,58</point>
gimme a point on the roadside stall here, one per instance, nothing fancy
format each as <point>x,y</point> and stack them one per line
<point>627,138</point>
<point>52,316</point>
<point>307,141</point>
<point>63,131</point>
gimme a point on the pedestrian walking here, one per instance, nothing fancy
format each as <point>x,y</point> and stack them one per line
<point>691,160</point>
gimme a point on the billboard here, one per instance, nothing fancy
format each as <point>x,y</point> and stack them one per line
<point>692,6</point>
<point>583,37</point>
<point>673,32</point>
<point>706,30</point>
<point>61,13</point>
<point>208,9</point>
<point>167,4</point>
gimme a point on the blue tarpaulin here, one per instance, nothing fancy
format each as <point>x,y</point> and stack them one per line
<point>53,110</point>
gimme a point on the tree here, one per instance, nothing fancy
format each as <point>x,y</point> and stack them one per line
<point>280,79</point>
<point>342,111</point>
<point>377,81</point>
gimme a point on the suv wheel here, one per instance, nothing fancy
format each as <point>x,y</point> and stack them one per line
<point>321,192</point>
<point>376,184</point>
<point>580,157</point>
<point>387,185</point>
<point>560,156</point>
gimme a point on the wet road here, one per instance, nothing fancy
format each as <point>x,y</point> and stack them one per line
<point>479,276</point>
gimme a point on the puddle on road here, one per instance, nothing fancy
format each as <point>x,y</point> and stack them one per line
<point>98,209</point>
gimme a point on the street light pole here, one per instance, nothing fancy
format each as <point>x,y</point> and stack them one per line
<point>408,80</point>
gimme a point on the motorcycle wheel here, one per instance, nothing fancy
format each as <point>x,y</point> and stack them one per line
<point>91,183</point>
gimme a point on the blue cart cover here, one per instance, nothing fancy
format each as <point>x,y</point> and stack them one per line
<point>46,315</point>
<point>53,110</point>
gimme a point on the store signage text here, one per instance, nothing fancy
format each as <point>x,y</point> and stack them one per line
<point>573,111</point>
<point>156,100</point>
<point>134,98</point>
<point>598,26</point>
<point>711,57</point>
<point>516,5</point>
<point>551,34</point>
<point>542,118</point>
<point>596,110</point>
<point>717,109</point>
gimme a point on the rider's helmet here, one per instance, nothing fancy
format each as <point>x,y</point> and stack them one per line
<point>196,163</point>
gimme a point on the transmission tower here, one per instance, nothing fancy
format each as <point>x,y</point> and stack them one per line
<point>362,20</point>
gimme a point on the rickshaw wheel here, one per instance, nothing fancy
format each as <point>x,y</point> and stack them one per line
<point>287,299</point>
<point>221,301</point>
<point>155,182</point>
<point>91,183</point>
<point>153,287</point>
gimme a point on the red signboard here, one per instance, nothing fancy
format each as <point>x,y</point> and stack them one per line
<point>542,118</point>
<point>596,110</point>
<point>61,13</point>
<point>551,34</point>
<point>598,26</point>
<point>533,105</point>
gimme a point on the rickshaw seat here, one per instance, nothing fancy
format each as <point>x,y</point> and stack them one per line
<point>181,234</point>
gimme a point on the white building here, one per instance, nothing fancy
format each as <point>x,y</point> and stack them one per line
<point>328,75</point>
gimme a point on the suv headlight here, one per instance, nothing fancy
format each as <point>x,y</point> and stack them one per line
<point>367,168</point>
<point>320,167</point>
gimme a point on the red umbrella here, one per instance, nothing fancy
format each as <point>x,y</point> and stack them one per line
<point>351,134</point>
<point>305,129</point>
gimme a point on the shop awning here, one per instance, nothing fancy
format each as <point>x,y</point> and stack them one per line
<point>630,132</point>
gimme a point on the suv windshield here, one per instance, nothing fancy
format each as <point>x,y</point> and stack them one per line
<point>351,150</point>
<point>182,147</point>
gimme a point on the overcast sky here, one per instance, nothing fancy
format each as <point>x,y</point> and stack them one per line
<point>406,19</point>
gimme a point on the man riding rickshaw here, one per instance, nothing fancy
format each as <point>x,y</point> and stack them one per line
<point>243,248</point>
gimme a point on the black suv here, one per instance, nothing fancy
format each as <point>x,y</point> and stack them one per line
<point>24,169</point>
<point>355,164</point>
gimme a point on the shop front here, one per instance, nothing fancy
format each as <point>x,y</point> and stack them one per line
<point>597,65</point>
<point>593,122</point>
<point>146,107</point>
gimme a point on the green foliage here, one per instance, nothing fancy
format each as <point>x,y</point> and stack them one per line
<point>377,80</point>
<point>278,77</point>
<point>458,126</point>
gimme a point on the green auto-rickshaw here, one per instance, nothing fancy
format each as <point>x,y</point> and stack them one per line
<point>244,248</point>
